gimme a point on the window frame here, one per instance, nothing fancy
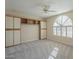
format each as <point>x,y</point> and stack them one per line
<point>61,26</point>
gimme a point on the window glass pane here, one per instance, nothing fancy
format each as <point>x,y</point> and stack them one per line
<point>63,31</point>
<point>68,23</point>
<point>69,32</point>
<point>64,19</point>
<point>59,19</point>
<point>55,24</point>
<point>59,31</point>
<point>54,30</point>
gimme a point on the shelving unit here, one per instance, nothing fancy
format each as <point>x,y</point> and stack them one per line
<point>29,21</point>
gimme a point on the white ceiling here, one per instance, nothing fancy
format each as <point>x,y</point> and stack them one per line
<point>34,8</point>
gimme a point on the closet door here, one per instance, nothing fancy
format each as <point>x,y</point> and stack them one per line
<point>9,22</point>
<point>16,37</point>
<point>17,22</point>
<point>43,34</point>
<point>43,29</point>
<point>9,38</point>
<point>29,32</point>
<point>9,31</point>
<point>43,24</point>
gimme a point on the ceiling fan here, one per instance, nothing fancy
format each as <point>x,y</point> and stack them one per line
<point>46,9</point>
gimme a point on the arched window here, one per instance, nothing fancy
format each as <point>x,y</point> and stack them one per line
<point>63,26</point>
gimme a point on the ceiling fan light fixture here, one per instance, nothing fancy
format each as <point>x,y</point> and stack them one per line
<point>46,9</point>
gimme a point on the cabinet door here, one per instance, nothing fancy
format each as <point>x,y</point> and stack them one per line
<point>9,22</point>
<point>17,22</point>
<point>43,29</point>
<point>9,38</point>
<point>16,37</point>
<point>29,32</point>
<point>43,24</point>
<point>43,34</point>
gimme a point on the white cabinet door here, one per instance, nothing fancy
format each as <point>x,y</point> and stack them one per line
<point>43,34</point>
<point>29,32</point>
<point>9,22</point>
<point>17,22</point>
<point>43,29</point>
<point>9,38</point>
<point>16,37</point>
<point>43,24</point>
<point>12,36</point>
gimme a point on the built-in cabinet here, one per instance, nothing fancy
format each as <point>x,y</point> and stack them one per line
<point>20,30</point>
<point>42,27</point>
<point>12,31</point>
<point>43,30</point>
<point>9,38</point>
<point>17,29</point>
<point>29,30</point>
<point>9,22</point>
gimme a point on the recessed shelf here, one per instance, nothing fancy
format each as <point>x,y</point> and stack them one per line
<point>29,21</point>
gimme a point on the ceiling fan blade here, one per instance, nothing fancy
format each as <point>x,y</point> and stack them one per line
<point>48,11</point>
<point>51,11</point>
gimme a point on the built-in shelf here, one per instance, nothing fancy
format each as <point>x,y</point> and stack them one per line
<point>29,21</point>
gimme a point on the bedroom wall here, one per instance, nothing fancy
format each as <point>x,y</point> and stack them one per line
<point>50,22</point>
